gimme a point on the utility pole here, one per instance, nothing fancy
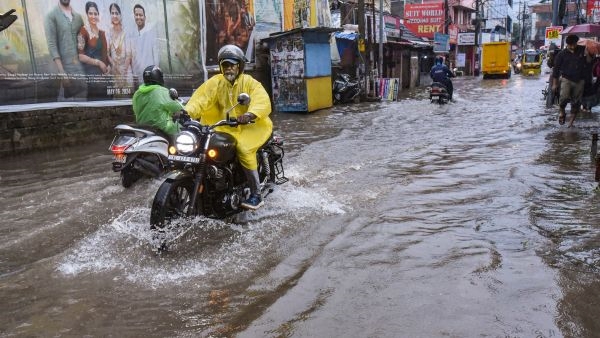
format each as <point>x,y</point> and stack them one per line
<point>555,12</point>
<point>446,17</point>
<point>361,46</point>
<point>380,67</point>
<point>523,42</point>
<point>477,29</point>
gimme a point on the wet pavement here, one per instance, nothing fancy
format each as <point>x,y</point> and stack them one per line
<point>479,218</point>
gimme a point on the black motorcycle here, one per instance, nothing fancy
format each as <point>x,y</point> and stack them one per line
<point>211,181</point>
<point>344,89</point>
<point>438,93</point>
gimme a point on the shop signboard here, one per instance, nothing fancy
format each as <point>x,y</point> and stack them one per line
<point>425,19</point>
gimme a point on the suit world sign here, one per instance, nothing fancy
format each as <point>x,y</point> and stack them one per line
<point>424,20</point>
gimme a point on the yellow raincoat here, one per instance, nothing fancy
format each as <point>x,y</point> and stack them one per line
<point>213,98</point>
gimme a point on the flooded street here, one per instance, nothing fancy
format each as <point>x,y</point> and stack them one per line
<point>479,218</point>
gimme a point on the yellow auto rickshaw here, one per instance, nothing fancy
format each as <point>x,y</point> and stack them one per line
<point>531,64</point>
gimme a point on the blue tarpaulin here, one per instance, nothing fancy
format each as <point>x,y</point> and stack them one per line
<point>345,40</point>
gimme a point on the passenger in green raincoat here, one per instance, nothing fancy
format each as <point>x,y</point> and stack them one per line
<point>152,104</point>
<point>214,97</point>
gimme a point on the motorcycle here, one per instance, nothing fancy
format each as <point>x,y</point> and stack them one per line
<point>210,180</point>
<point>140,151</point>
<point>438,93</point>
<point>344,89</point>
<point>517,67</point>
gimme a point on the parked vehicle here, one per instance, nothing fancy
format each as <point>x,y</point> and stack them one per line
<point>495,60</point>
<point>438,93</point>
<point>210,180</point>
<point>344,89</point>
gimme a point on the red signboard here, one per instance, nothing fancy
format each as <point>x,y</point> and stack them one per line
<point>424,19</point>
<point>453,32</point>
<point>593,11</point>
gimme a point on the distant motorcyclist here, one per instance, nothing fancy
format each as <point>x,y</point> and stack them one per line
<point>214,97</point>
<point>442,74</point>
<point>153,105</point>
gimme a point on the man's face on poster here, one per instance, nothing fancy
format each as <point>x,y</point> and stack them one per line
<point>65,3</point>
<point>140,17</point>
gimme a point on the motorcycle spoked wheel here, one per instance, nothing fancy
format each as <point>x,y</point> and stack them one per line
<point>171,202</point>
<point>129,176</point>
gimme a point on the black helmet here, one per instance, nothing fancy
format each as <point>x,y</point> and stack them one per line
<point>153,75</point>
<point>439,60</point>
<point>232,54</point>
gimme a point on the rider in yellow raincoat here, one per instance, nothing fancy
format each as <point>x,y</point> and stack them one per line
<point>214,97</point>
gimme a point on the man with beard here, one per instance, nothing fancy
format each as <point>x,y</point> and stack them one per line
<point>62,24</point>
<point>145,51</point>
<point>214,97</point>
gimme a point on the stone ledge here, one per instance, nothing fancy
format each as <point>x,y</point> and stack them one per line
<point>41,129</point>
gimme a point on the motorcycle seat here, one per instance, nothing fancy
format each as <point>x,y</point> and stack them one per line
<point>152,129</point>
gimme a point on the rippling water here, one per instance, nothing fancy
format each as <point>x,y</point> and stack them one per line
<point>477,218</point>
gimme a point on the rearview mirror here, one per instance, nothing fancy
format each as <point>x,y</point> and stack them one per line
<point>244,99</point>
<point>173,93</point>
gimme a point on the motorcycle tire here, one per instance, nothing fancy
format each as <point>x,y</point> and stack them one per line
<point>129,176</point>
<point>171,202</point>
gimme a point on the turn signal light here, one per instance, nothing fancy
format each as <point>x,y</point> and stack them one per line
<point>212,153</point>
<point>172,150</point>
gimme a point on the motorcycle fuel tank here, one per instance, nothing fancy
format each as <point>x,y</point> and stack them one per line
<point>224,146</point>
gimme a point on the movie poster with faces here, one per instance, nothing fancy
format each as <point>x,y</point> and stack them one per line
<point>75,50</point>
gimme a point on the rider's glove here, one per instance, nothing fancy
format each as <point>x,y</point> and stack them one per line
<point>246,118</point>
<point>181,115</point>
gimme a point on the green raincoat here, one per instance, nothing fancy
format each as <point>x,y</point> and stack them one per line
<point>153,106</point>
<point>213,98</point>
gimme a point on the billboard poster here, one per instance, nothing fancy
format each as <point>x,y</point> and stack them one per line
<point>228,22</point>
<point>307,13</point>
<point>76,50</point>
<point>63,50</point>
<point>425,19</point>
<point>593,11</point>
<point>287,72</point>
<point>553,35</point>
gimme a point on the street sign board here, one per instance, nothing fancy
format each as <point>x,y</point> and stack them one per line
<point>553,35</point>
<point>441,42</point>
<point>466,39</point>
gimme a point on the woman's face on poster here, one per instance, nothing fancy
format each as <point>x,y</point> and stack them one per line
<point>115,16</point>
<point>93,16</point>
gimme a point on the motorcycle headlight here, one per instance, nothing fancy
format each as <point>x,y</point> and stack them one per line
<point>186,143</point>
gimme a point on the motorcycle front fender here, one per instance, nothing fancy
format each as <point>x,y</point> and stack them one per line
<point>179,175</point>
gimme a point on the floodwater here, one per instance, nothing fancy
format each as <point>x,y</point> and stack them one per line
<point>479,218</point>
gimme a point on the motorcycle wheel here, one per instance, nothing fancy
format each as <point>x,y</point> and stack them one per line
<point>171,202</point>
<point>129,176</point>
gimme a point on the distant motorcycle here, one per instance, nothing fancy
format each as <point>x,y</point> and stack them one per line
<point>438,93</point>
<point>517,67</point>
<point>344,89</point>
<point>210,180</point>
<point>141,150</point>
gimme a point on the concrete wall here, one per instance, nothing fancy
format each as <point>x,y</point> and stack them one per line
<point>46,128</point>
